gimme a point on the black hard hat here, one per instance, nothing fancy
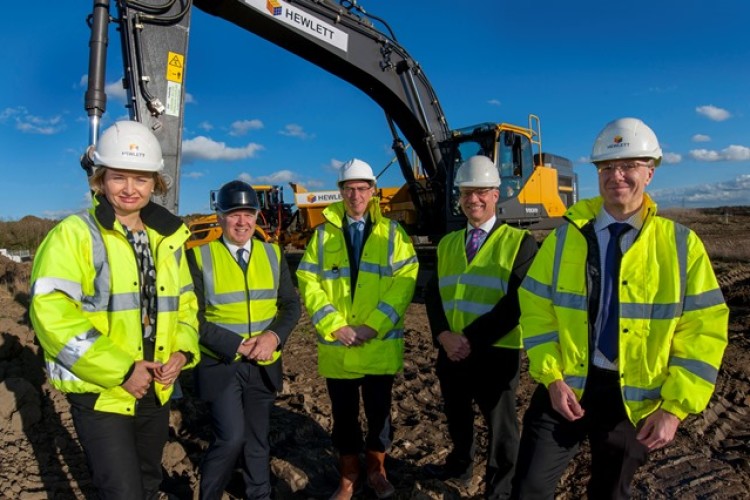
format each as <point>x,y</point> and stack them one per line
<point>236,195</point>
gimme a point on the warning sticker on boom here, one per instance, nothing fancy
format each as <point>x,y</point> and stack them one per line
<point>175,67</point>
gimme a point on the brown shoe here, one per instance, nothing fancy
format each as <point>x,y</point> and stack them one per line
<point>375,461</point>
<point>349,470</point>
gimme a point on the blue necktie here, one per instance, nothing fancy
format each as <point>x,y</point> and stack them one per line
<point>356,229</point>
<point>241,259</point>
<point>610,334</point>
<point>472,245</point>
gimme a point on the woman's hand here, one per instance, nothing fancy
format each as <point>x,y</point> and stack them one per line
<point>167,373</point>
<point>140,380</point>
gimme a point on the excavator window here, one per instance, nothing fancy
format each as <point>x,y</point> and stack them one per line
<point>516,163</point>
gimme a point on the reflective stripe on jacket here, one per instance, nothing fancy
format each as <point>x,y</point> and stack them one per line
<point>471,290</point>
<point>385,286</point>
<point>86,307</point>
<point>673,320</point>
<point>243,304</point>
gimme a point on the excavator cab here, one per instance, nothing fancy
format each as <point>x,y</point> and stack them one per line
<point>529,192</point>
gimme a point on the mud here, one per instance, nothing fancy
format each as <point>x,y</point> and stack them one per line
<point>41,458</point>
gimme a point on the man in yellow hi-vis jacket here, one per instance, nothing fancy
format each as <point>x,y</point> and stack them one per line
<point>357,278</point>
<point>624,323</point>
<point>472,306</point>
<point>247,309</point>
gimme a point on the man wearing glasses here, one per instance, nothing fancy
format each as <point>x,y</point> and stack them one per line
<point>472,306</point>
<point>624,324</point>
<point>357,278</point>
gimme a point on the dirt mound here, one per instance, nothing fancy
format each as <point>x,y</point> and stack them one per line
<point>41,457</point>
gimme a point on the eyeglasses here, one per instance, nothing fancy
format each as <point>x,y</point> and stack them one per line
<point>481,193</point>
<point>361,190</point>
<point>623,166</point>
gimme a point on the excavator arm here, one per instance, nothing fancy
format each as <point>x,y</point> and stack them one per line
<point>340,38</point>
<point>361,49</point>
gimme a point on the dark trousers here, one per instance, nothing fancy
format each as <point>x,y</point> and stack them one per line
<point>549,442</point>
<point>123,452</point>
<point>240,398</point>
<point>376,398</point>
<point>490,378</point>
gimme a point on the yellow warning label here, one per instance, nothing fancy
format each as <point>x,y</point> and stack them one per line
<point>175,67</point>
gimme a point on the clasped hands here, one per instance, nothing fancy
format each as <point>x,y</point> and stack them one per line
<point>456,346</point>
<point>353,336</point>
<point>259,348</point>
<point>146,372</point>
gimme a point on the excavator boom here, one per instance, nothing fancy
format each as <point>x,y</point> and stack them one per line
<point>344,40</point>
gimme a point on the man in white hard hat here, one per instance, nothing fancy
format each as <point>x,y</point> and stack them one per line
<point>624,324</point>
<point>472,306</point>
<point>357,278</point>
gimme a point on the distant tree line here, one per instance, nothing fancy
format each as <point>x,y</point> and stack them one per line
<point>25,234</point>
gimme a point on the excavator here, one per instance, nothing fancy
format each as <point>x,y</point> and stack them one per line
<point>349,42</point>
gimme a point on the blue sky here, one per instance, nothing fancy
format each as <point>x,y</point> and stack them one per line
<point>263,115</point>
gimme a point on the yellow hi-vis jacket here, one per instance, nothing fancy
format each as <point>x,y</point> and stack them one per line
<point>385,286</point>
<point>673,320</point>
<point>469,290</point>
<point>243,304</point>
<point>86,303</point>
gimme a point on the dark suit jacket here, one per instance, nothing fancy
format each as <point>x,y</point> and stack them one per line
<point>498,322</point>
<point>225,342</point>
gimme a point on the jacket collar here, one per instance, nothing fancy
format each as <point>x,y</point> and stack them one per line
<point>585,211</point>
<point>335,213</point>
<point>153,216</point>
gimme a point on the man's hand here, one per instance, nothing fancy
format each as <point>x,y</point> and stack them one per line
<point>259,348</point>
<point>564,400</point>
<point>658,430</point>
<point>365,333</point>
<point>140,380</point>
<point>167,373</point>
<point>347,336</point>
<point>456,346</point>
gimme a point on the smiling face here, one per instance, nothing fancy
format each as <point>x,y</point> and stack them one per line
<point>478,204</point>
<point>356,196</point>
<point>622,184</point>
<point>128,191</point>
<point>238,225</point>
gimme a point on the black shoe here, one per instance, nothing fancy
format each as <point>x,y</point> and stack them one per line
<point>451,471</point>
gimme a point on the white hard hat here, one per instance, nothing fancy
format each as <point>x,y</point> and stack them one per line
<point>355,170</point>
<point>477,172</point>
<point>129,145</point>
<point>626,138</point>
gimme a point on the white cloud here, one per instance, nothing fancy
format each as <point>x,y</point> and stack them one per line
<point>32,124</point>
<point>736,153</point>
<point>734,192</point>
<point>494,102</point>
<point>294,130</point>
<point>242,127</point>
<point>333,166</point>
<point>193,175</point>
<point>189,99</point>
<point>731,153</point>
<point>713,113</point>
<point>115,90</point>
<point>672,158</point>
<point>203,148</point>
<point>701,138</point>
<point>205,126</point>
<point>279,177</point>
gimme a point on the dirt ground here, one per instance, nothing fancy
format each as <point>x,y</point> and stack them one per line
<point>41,458</point>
